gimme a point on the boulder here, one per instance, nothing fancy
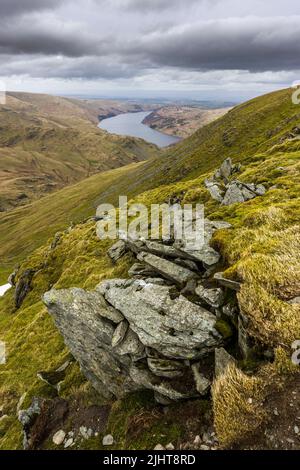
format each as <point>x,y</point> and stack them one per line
<point>89,336</point>
<point>294,301</point>
<point>226,169</point>
<point>215,190</point>
<point>167,269</point>
<point>175,327</point>
<point>233,194</point>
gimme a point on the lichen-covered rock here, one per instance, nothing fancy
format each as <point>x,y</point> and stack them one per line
<point>175,327</point>
<point>88,334</point>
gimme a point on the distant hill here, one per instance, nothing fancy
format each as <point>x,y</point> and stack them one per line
<point>49,142</point>
<point>182,121</point>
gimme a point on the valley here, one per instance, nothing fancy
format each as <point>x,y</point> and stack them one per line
<point>47,143</point>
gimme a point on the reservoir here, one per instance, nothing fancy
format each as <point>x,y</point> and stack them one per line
<point>131,124</point>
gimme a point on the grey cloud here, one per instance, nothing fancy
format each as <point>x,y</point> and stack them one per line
<point>87,68</point>
<point>19,7</point>
<point>254,44</point>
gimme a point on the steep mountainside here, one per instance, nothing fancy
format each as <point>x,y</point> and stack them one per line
<point>48,142</point>
<point>259,256</point>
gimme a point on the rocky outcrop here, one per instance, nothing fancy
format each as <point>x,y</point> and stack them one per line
<point>159,329</point>
<point>226,190</point>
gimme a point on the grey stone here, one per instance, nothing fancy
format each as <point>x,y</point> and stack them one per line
<point>119,333</point>
<point>159,447</point>
<point>223,281</point>
<point>168,269</point>
<point>108,440</point>
<point>59,437</point>
<point>175,327</point>
<point>165,367</point>
<point>214,190</point>
<point>141,270</point>
<point>68,442</point>
<point>170,446</point>
<point>212,296</point>
<point>117,250</point>
<point>260,190</point>
<point>88,336</point>
<point>27,418</point>
<point>230,311</point>
<point>202,383</point>
<point>226,169</point>
<point>220,224</point>
<point>233,195</point>
<point>222,360</point>
<point>160,249</point>
<point>187,263</point>
<point>294,301</point>
<point>130,345</point>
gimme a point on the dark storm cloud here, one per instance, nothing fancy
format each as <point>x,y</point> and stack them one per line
<point>255,44</point>
<point>31,41</point>
<point>19,7</point>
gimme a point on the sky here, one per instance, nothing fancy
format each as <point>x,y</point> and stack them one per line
<point>198,49</point>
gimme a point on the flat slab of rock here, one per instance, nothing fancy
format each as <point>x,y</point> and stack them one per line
<point>224,281</point>
<point>175,327</point>
<point>178,274</point>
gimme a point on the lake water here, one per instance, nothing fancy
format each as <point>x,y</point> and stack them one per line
<point>4,288</point>
<point>131,124</point>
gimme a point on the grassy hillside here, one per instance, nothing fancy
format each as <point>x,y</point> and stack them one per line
<point>48,142</point>
<point>262,251</point>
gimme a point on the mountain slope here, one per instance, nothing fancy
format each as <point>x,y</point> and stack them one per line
<point>48,142</point>
<point>261,251</point>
